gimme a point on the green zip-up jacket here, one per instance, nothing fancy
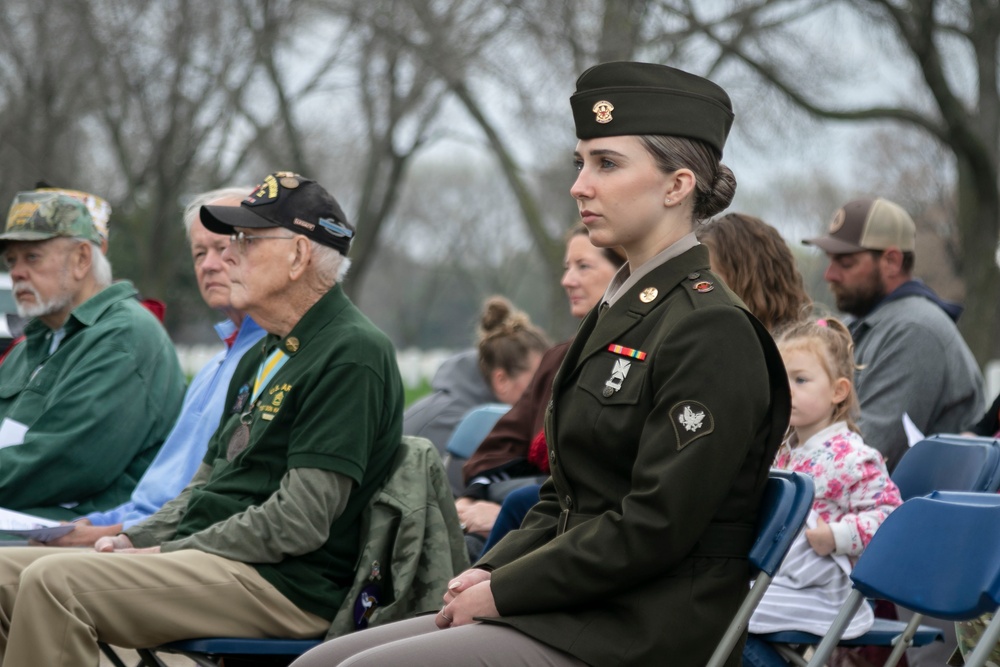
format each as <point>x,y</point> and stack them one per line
<point>96,410</point>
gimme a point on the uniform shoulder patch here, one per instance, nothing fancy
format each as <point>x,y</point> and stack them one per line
<point>691,420</point>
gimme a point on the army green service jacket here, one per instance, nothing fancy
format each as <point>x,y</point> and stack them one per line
<point>666,416</point>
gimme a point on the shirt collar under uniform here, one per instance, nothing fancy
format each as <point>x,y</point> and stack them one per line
<point>625,279</point>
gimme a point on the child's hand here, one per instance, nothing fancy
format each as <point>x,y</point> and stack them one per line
<point>821,538</point>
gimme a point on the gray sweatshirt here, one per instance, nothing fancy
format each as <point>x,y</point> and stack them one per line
<point>913,360</point>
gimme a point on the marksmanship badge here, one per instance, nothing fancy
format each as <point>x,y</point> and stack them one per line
<point>618,375</point>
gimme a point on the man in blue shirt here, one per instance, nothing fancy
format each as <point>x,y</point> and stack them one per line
<point>184,448</point>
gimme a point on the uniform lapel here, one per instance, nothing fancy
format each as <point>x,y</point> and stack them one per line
<point>630,309</point>
<point>573,353</point>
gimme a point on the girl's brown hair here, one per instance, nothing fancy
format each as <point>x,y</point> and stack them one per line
<point>832,344</point>
<point>756,263</point>
<point>507,338</point>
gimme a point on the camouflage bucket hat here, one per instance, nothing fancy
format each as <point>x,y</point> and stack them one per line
<point>39,216</point>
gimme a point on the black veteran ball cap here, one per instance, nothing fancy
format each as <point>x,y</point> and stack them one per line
<point>619,98</point>
<point>286,200</point>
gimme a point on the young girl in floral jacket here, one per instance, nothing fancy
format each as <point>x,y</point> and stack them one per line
<point>853,491</point>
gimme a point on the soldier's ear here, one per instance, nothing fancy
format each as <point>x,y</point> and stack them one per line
<point>680,185</point>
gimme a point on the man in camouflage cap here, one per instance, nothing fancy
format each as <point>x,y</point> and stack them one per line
<point>88,397</point>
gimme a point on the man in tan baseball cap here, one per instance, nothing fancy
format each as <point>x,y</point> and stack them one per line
<point>913,357</point>
<point>860,279</point>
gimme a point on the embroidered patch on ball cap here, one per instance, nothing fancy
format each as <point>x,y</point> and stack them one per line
<point>691,420</point>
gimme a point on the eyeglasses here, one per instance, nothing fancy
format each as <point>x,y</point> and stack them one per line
<point>244,241</point>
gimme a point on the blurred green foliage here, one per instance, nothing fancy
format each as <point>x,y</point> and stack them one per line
<point>416,392</point>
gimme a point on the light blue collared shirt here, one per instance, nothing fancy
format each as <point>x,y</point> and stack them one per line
<point>184,449</point>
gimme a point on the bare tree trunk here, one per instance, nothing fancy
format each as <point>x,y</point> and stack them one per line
<point>978,215</point>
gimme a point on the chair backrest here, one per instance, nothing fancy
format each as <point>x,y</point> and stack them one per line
<point>939,556</point>
<point>473,429</point>
<point>467,436</point>
<point>949,463</point>
<point>788,497</point>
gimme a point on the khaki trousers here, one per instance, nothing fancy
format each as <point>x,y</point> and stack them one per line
<point>419,643</point>
<point>57,604</point>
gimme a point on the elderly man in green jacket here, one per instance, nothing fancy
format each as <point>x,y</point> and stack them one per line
<point>88,398</point>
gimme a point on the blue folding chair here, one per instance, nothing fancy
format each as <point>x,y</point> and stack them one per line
<point>209,652</point>
<point>938,556</point>
<point>470,432</point>
<point>949,463</point>
<point>938,463</point>
<point>788,497</point>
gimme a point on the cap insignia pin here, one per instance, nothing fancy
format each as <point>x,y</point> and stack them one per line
<point>289,182</point>
<point>603,110</point>
<point>648,294</point>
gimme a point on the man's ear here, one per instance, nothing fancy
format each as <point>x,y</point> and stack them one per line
<point>301,256</point>
<point>891,262</point>
<point>81,259</point>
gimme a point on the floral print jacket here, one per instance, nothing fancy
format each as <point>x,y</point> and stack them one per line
<point>853,491</point>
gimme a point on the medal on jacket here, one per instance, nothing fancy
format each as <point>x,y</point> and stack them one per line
<point>242,396</point>
<point>240,438</point>
<point>618,375</point>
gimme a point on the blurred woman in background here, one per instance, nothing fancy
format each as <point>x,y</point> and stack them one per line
<point>498,371</point>
<point>515,448</point>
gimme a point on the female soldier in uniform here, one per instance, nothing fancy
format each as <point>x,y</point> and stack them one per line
<point>666,414</point>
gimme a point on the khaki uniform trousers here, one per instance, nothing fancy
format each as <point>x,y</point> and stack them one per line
<point>57,604</point>
<point>419,643</point>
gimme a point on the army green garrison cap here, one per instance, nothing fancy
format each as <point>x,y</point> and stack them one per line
<point>619,98</point>
<point>38,216</point>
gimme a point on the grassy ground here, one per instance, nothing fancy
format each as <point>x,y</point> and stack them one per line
<point>413,393</point>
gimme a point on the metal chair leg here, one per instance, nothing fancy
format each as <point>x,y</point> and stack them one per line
<point>111,655</point>
<point>903,641</point>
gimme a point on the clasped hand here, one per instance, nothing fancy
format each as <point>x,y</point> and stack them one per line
<point>469,595</point>
<point>121,544</point>
<point>821,538</point>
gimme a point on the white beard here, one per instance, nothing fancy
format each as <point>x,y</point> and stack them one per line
<point>40,307</point>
